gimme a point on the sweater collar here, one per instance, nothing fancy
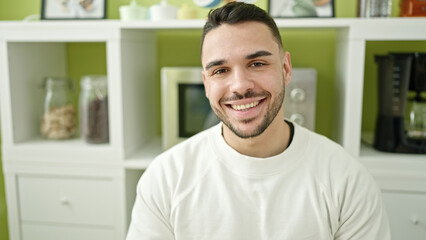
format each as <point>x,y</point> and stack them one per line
<point>256,167</point>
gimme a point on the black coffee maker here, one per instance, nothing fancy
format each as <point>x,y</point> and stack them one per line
<point>401,120</point>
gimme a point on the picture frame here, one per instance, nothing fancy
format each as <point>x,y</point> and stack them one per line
<point>301,8</point>
<point>73,9</point>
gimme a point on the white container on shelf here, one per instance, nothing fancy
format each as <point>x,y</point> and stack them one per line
<point>163,11</point>
<point>186,12</point>
<point>133,12</point>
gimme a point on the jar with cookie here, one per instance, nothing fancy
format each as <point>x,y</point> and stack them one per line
<point>59,119</point>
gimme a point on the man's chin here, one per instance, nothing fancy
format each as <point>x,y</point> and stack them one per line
<point>246,131</point>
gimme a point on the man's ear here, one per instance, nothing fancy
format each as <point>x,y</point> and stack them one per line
<point>206,89</point>
<point>287,68</point>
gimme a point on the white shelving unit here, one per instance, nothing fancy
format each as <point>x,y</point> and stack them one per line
<point>60,175</point>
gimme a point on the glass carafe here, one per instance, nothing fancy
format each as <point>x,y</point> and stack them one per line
<point>415,118</point>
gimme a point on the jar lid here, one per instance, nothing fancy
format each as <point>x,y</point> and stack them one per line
<point>60,82</point>
<point>91,81</point>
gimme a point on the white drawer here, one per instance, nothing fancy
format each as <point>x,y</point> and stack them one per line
<point>52,232</point>
<point>66,200</point>
<point>407,215</point>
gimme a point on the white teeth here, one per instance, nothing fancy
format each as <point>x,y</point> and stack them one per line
<point>246,106</point>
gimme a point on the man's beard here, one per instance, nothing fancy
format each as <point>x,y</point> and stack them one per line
<point>267,118</point>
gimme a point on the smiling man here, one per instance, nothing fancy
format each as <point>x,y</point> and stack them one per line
<point>255,175</point>
<point>245,81</point>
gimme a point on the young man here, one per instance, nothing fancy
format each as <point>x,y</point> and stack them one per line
<point>255,175</point>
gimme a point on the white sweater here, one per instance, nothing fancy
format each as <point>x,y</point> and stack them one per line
<point>204,189</point>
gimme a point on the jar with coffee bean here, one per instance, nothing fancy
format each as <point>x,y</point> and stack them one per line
<point>59,114</point>
<point>94,109</point>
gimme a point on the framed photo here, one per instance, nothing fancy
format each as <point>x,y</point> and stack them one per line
<point>301,8</point>
<point>73,9</point>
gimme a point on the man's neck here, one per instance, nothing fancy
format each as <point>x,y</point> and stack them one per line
<point>273,141</point>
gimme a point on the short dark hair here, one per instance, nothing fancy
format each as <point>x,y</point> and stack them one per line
<point>239,12</point>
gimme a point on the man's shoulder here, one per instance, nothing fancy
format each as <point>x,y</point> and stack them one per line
<point>189,148</point>
<point>191,155</point>
<point>324,155</point>
<point>320,145</point>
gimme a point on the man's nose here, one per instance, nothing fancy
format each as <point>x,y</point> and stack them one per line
<point>241,81</point>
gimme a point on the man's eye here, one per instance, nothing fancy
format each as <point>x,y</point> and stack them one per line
<point>257,64</point>
<point>219,71</point>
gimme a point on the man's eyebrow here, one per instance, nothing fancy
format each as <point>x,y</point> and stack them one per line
<point>260,53</point>
<point>257,54</point>
<point>214,63</point>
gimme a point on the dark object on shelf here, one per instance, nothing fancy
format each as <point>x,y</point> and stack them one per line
<point>94,109</point>
<point>413,8</point>
<point>97,122</point>
<point>401,122</point>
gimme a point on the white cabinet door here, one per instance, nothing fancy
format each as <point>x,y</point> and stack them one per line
<point>75,200</point>
<point>407,215</point>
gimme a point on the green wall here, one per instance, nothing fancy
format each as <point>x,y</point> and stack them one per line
<point>309,48</point>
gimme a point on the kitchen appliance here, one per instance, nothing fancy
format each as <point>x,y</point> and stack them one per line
<point>300,97</point>
<point>401,120</point>
<point>186,111</point>
<point>185,108</point>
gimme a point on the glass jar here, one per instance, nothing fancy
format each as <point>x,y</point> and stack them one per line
<point>59,113</point>
<point>415,118</point>
<point>94,109</point>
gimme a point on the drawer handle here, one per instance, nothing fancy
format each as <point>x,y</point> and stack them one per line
<point>64,201</point>
<point>415,221</point>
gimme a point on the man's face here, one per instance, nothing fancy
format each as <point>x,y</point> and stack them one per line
<point>245,73</point>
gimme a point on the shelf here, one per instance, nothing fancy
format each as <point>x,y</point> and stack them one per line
<point>392,161</point>
<point>142,158</point>
<point>395,171</point>
<point>66,31</point>
<point>392,29</point>
<point>84,30</point>
<point>74,150</point>
<point>74,143</point>
<point>364,26</point>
